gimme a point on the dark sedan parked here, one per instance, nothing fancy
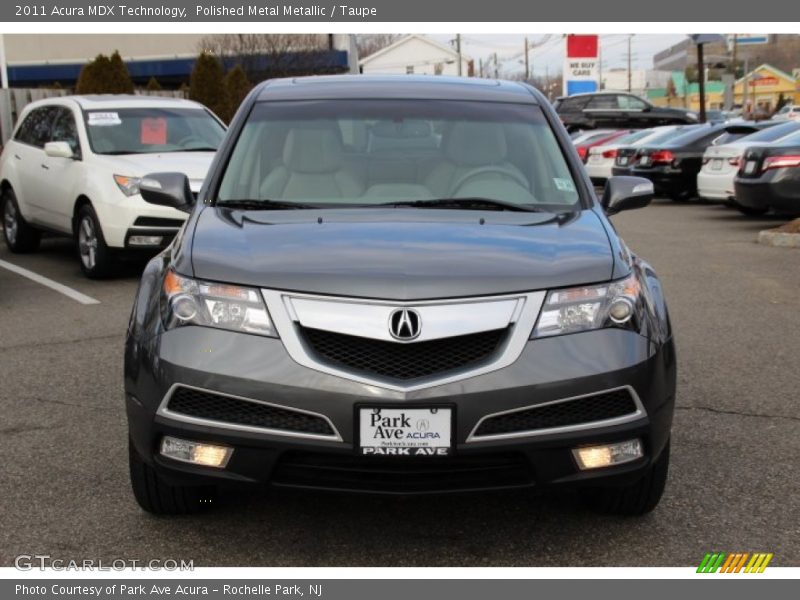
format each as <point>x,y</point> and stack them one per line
<point>445,317</point>
<point>769,178</point>
<point>624,161</point>
<point>673,166</point>
<point>616,110</point>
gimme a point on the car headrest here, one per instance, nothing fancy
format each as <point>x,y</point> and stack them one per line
<point>313,149</point>
<point>475,144</point>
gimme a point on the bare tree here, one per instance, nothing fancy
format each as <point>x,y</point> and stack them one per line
<point>370,43</point>
<point>264,55</point>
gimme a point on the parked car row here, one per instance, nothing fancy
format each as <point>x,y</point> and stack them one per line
<point>753,166</point>
<point>74,164</point>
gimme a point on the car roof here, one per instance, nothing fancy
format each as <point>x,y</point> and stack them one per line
<point>420,87</point>
<point>119,101</point>
<point>603,93</point>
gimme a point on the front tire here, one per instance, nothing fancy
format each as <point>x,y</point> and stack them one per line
<point>636,499</point>
<point>96,259</point>
<point>158,497</point>
<point>20,237</point>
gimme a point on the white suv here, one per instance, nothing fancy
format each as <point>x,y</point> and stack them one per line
<point>73,167</point>
<point>790,112</point>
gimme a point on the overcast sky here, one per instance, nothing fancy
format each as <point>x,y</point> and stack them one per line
<point>549,50</point>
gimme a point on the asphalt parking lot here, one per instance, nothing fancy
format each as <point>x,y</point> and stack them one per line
<point>733,484</point>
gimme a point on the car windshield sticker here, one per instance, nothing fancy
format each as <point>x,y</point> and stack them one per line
<point>564,185</point>
<point>154,131</point>
<point>100,119</point>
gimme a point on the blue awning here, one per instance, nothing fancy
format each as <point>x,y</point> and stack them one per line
<point>142,70</point>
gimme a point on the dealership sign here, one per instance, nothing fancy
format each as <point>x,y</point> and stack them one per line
<point>581,64</point>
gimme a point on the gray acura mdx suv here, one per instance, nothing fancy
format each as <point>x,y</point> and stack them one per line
<point>398,285</point>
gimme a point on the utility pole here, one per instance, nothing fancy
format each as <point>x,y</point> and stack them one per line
<point>480,67</point>
<point>630,37</point>
<point>527,64</point>
<point>458,49</point>
<point>547,81</point>
<point>496,71</point>
<point>745,84</point>
<point>701,78</point>
<point>599,65</point>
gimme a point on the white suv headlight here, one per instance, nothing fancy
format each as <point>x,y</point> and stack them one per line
<point>615,304</point>
<point>186,301</point>
<point>127,185</point>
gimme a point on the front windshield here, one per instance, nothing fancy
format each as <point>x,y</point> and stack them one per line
<point>152,130</point>
<point>372,152</point>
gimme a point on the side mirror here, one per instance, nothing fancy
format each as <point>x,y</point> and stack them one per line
<point>58,150</point>
<point>167,189</point>
<point>625,193</point>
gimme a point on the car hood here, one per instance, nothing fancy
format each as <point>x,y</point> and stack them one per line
<point>402,253</point>
<point>194,165</point>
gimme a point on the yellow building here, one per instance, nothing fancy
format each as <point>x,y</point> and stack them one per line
<point>765,85</point>
<point>683,95</point>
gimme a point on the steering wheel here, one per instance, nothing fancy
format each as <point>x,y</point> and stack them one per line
<point>496,169</point>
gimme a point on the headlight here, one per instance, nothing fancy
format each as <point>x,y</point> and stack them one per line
<point>186,301</point>
<point>615,304</point>
<point>128,185</point>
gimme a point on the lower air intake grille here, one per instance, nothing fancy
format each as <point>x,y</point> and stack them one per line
<point>215,407</point>
<point>372,474</point>
<point>403,361</point>
<point>598,407</point>
<point>157,222</point>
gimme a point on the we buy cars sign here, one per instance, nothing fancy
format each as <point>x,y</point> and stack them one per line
<point>581,65</point>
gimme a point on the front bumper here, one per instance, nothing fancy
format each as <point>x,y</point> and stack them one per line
<point>260,368</point>
<point>121,217</point>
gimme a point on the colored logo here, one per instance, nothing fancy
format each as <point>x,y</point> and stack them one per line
<point>739,562</point>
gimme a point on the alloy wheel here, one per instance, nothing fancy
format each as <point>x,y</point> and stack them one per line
<point>10,223</point>
<point>87,243</point>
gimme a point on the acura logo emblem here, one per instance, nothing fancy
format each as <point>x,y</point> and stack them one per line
<point>405,324</point>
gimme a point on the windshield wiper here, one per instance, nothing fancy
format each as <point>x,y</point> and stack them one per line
<point>200,149</point>
<point>465,203</point>
<point>262,205</point>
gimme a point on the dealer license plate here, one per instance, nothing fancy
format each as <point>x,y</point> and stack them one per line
<point>750,167</point>
<point>644,161</point>
<point>405,431</point>
<point>622,161</point>
<point>716,164</point>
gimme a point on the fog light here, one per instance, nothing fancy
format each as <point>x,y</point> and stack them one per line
<point>184,307</point>
<point>208,455</point>
<point>595,457</point>
<point>145,240</point>
<point>620,311</point>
